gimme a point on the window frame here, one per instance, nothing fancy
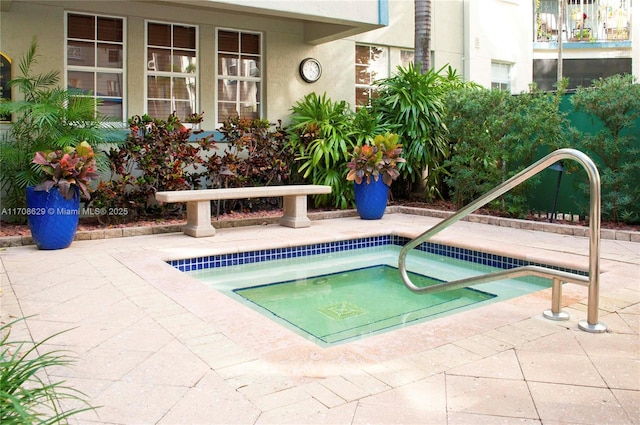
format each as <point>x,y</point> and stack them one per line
<point>195,107</point>
<point>95,69</point>
<point>219,77</point>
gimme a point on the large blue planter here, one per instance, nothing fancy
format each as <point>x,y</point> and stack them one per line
<point>53,220</point>
<point>371,199</point>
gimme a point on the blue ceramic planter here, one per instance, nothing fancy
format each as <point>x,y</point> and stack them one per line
<point>371,199</point>
<point>53,220</point>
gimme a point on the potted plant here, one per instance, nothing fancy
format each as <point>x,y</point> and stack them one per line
<point>373,167</point>
<point>53,206</point>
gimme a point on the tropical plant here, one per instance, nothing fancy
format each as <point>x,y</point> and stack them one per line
<point>378,159</point>
<point>320,136</point>
<point>48,118</point>
<point>613,105</point>
<point>67,169</point>
<point>257,154</point>
<point>411,104</point>
<point>156,155</point>
<point>27,396</point>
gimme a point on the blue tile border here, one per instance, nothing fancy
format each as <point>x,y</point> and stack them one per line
<point>473,256</point>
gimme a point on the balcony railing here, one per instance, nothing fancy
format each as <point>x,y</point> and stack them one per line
<point>584,20</point>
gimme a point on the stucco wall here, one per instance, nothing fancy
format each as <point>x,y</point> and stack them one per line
<point>499,30</point>
<point>283,42</point>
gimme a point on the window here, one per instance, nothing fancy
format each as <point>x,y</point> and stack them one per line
<point>239,74</point>
<point>372,63</point>
<point>95,60</point>
<point>407,57</point>
<point>172,79</point>
<point>501,76</point>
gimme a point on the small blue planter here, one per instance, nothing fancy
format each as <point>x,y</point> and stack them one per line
<point>371,199</point>
<point>53,220</point>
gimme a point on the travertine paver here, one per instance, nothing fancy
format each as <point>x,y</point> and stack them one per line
<point>154,346</point>
<point>578,404</point>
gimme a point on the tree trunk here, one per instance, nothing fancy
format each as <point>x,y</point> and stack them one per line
<point>423,35</point>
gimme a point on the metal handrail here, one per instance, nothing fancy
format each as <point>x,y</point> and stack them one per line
<point>592,281</point>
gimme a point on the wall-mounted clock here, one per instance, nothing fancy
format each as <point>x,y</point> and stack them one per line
<point>310,70</point>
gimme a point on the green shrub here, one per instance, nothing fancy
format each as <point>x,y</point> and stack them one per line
<point>613,105</point>
<point>494,135</point>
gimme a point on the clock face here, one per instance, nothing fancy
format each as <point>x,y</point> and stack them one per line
<point>310,70</point>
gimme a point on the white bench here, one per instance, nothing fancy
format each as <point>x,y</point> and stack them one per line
<point>199,204</point>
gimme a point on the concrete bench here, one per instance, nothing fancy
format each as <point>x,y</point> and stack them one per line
<point>199,204</point>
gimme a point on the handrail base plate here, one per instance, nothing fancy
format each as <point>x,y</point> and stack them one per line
<point>548,314</point>
<point>596,329</point>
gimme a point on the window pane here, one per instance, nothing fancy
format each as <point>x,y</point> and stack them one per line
<point>81,26</point>
<point>159,108</point>
<point>109,84</point>
<point>80,53</point>
<point>184,88</point>
<point>362,96</point>
<point>406,57</point>
<point>159,87</point>
<point>251,43</point>
<point>379,67</point>
<point>159,60</point>
<point>228,90</point>
<point>250,67</point>
<point>110,29</point>
<point>226,111</point>
<point>159,34</point>
<point>249,111</point>
<point>184,37</point>
<point>110,55</point>
<point>183,109</point>
<point>228,41</point>
<point>81,82</point>
<point>362,55</point>
<point>227,65</point>
<point>362,75</point>
<point>184,61</point>
<point>112,108</point>
<point>249,91</point>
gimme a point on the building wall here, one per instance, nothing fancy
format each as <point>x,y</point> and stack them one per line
<point>499,30</point>
<point>284,47</point>
<point>448,34</point>
<point>466,34</point>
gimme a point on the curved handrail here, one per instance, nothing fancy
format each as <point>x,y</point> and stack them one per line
<point>593,280</point>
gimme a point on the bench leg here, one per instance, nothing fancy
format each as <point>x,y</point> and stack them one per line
<point>199,219</point>
<point>295,211</point>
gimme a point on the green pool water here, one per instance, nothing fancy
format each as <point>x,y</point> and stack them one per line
<point>340,306</point>
<point>340,297</point>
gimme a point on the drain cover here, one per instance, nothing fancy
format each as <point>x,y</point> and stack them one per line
<point>342,310</point>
